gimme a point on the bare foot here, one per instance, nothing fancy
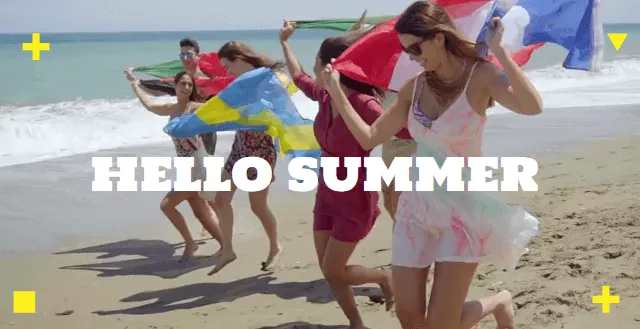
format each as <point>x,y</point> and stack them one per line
<point>504,313</point>
<point>387,291</point>
<point>272,259</point>
<point>218,253</point>
<point>189,250</point>
<point>223,261</point>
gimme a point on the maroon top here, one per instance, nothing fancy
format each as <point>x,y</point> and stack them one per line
<point>336,140</point>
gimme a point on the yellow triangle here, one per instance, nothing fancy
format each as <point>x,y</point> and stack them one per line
<point>617,39</point>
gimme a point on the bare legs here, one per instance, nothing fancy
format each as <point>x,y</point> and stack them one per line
<point>204,214</point>
<point>390,199</point>
<point>222,205</point>
<point>447,307</point>
<point>333,256</point>
<point>260,207</point>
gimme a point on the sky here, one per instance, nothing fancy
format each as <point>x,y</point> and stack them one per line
<point>18,16</point>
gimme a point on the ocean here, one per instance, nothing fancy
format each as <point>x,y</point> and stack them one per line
<point>73,104</point>
<point>75,99</point>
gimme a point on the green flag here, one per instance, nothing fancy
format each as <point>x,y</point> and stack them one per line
<point>170,69</point>
<point>339,24</point>
<point>162,70</point>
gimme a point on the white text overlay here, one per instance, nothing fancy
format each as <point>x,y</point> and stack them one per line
<point>517,174</point>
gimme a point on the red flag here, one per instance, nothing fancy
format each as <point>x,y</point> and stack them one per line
<point>378,59</point>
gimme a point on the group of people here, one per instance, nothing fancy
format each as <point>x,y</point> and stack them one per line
<point>440,112</point>
<point>214,210</point>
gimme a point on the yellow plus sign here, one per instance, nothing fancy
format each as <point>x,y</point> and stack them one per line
<point>605,299</point>
<point>35,46</point>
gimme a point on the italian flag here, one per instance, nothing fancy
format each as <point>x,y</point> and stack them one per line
<point>209,63</point>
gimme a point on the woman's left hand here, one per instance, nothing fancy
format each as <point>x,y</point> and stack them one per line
<point>128,73</point>
<point>330,77</point>
<point>494,34</point>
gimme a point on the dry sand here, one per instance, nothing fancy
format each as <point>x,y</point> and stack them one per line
<point>588,206</point>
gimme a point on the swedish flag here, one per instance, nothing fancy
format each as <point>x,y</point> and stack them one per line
<point>256,100</point>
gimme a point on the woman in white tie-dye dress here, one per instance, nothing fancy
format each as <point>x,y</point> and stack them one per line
<point>444,108</point>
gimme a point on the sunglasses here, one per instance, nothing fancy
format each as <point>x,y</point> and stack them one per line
<point>415,49</point>
<point>184,56</point>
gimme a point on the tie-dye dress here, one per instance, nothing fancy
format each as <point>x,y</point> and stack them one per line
<point>442,226</point>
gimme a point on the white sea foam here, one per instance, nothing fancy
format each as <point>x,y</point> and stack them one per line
<point>38,132</point>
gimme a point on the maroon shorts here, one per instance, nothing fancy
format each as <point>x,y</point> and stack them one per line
<point>343,229</point>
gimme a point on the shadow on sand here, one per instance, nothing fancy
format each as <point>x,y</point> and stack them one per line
<point>156,258</point>
<point>304,325</point>
<point>205,294</point>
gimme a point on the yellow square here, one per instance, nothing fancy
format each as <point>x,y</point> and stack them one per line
<point>24,302</point>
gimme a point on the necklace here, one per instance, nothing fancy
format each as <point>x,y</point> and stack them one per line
<point>452,83</point>
<point>464,67</point>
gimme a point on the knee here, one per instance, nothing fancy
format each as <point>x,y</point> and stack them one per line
<point>166,205</point>
<point>212,205</point>
<point>258,206</point>
<point>200,212</point>
<point>258,203</point>
<point>332,273</point>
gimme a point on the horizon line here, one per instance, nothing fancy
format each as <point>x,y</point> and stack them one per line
<point>137,31</point>
<point>211,30</point>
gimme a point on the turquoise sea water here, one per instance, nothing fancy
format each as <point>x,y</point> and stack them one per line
<point>89,65</point>
<point>75,99</point>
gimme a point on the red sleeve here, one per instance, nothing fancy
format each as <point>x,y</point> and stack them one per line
<point>308,86</point>
<point>370,110</point>
<point>404,134</point>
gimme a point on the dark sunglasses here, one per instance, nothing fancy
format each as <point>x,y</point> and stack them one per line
<point>415,49</point>
<point>184,56</point>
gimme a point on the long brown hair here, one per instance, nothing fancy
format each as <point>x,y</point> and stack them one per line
<point>426,19</point>
<point>333,47</point>
<point>196,95</point>
<point>233,50</point>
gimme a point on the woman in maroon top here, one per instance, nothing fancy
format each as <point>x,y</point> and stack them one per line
<point>341,219</point>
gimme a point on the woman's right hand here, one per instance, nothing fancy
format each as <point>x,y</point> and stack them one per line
<point>287,30</point>
<point>358,24</point>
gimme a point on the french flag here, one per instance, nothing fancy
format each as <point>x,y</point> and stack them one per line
<point>378,59</point>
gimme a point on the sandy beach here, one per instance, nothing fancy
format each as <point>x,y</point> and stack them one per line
<point>112,260</point>
<point>128,277</point>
